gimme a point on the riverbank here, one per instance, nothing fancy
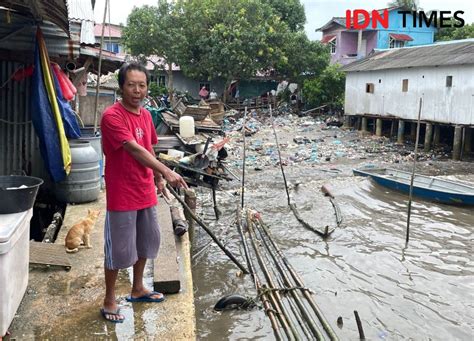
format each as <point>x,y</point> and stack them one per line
<point>61,305</point>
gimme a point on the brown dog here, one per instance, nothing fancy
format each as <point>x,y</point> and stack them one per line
<point>79,234</point>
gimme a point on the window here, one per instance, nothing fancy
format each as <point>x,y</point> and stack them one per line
<point>369,88</point>
<point>207,85</point>
<point>332,46</point>
<point>396,43</point>
<point>449,81</point>
<point>161,81</point>
<point>405,85</point>
<point>112,47</point>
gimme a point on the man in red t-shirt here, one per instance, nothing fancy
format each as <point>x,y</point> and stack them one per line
<point>131,233</point>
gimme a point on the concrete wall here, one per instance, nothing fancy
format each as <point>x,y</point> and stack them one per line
<point>87,103</point>
<point>440,103</point>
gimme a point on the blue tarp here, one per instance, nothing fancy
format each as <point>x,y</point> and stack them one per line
<point>44,122</point>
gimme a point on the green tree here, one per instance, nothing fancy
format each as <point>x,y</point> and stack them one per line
<point>230,39</point>
<point>289,11</point>
<point>327,89</point>
<point>302,58</point>
<point>455,33</point>
<point>155,30</point>
<point>409,4</point>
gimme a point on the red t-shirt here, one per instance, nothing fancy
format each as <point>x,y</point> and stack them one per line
<point>129,185</point>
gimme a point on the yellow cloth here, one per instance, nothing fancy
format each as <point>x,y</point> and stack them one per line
<point>49,84</point>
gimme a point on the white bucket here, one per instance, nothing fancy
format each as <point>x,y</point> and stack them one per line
<point>186,126</point>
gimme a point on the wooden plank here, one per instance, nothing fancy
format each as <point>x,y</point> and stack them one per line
<point>49,254</point>
<point>165,267</point>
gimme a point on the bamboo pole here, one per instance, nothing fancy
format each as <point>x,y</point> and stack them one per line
<point>303,310</point>
<point>279,156</point>
<point>299,282</point>
<point>274,296</point>
<point>359,325</point>
<point>243,161</point>
<point>413,171</point>
<point>263,296</point>
<point>99,67</point>
<point>209,232</point>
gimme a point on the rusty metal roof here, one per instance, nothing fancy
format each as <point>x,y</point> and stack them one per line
<point>18,35</point>
<point>458,52</point>
<point>54,11</point>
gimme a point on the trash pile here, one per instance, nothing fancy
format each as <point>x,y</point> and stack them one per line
<point>311,141</point>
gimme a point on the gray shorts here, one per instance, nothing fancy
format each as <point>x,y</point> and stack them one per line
<point>129,235</point>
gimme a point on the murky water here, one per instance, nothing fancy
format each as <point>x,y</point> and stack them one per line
<point>420,291</point>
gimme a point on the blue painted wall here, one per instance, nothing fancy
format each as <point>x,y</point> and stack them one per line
<point>421,35</point>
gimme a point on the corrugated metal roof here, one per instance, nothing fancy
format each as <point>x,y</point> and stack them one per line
<point>80,10</point>
<point>110,60</point>
<point>54,11</point>
<point>459,52</point>
<point>18,36</point>
<point>81,17</point>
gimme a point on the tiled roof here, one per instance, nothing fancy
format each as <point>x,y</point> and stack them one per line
<point>113,31</point>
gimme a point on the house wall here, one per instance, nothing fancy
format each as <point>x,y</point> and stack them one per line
<point>441,104</point>
<point>183,83</point>
<point>87,104</point>
<point>421,35</point>
<point>336,30</point>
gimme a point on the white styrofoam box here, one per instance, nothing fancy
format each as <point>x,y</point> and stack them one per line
<point>14,263</point>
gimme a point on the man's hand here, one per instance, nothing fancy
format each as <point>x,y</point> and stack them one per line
<point>160,184</point>
<point>175,179</point>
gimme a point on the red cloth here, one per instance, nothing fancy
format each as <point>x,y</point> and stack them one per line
<point>67,88</point>
<point>23,73</point>
<point>129,185</point>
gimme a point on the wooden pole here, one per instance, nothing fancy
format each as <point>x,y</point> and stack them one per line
<point>99,68</point>
<point>413,171</point>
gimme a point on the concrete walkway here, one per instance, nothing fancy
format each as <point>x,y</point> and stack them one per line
<point>63,304</point>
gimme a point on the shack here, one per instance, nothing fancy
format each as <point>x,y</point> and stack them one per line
<point>386,88</point>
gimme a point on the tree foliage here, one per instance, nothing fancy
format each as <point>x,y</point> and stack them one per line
<point>231,39</point>
<point>455,33</point>
<point>155,31</point>
<point>302,58</point>
<point>227,39</point>
<point>328,88</point>
<point>289,11</point>
<point>409,4</point>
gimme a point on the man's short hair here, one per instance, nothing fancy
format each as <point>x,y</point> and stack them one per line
<point>129,67</point>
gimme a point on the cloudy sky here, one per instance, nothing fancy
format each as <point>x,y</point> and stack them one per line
<point>318,12</point>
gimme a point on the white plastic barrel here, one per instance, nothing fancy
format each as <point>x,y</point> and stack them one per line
<point>186,126</point>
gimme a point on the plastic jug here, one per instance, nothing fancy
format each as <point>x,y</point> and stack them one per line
<point>186,126</point>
